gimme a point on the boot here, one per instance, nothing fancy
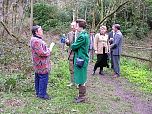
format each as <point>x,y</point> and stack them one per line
<point>81,97</point>
<point>94,70</point>
<point>101,71</point>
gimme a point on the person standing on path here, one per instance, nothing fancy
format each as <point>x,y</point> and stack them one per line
<point>41,61</point>
<point>62,39</point>
<point>81,59</point>
<point>91,47</point>
<point>71,39</point>
<point>116,49</point>
<point>110,38</point>
<point>101,47</point>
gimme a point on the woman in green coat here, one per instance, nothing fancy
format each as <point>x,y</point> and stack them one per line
<point>80,48</point>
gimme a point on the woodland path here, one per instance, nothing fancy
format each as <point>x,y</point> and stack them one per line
<point>116,95</point>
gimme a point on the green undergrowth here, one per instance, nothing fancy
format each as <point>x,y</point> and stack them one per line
<point>137,72</point>
<point>17,93</point>
<point>17,100</point>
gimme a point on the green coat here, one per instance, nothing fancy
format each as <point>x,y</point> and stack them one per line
<point>81,48</point>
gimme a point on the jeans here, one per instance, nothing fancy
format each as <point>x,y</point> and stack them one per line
<point>41,82</point>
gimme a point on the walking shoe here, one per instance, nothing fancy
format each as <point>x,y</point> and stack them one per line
<point>46,97</point>
<point>80,100</point>
<point>101,73</point>
<point>115,76</point>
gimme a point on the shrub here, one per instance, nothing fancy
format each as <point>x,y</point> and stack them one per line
<point>50,17</point>
<point>59,76</point>
<point>15,82</point>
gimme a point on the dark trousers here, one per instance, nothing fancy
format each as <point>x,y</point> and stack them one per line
<point>71,68</point>
<point>116,63</point>
<point>41,82</point>
<point>102,61</point>
<point>98,64</point>
<point>111,60</point>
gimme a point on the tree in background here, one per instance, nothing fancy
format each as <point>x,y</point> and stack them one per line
<point>55,15</point>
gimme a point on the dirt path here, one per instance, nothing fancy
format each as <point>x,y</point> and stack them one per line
<point>116,95</point>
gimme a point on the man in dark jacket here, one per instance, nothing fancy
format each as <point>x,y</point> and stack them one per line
<point>110,39</point>
<point>116,48</point>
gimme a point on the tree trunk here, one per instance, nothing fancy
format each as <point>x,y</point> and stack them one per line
<point>93,20</point>
<point>6,12</point>
<point>15,17</point>
<point>73,2</point>
<point>85,14</point>
<point>102,10</point>
<point>77,10</point>
<point>5,16</point>
<point>73,15</point>
<point>1,19</point>
<point>31,16</point>
<point>151,58</point>
<point>1,10</point>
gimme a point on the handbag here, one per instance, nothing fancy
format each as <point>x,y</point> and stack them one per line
<point>79,62</point>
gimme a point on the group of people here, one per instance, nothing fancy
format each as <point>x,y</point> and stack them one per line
<point>78,55</point>
<point>108,45</point>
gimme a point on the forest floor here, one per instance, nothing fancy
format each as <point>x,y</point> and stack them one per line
<point>105,95</point>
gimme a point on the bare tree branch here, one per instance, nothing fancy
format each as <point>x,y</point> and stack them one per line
<point>139,58</point>
<point>111,13</point>
<point>11,34</point>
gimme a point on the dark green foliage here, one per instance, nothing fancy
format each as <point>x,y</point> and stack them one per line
<point>149,12</point>
<point>133,24</point>
<point>64,15</point>
<point>50,17</point>
<point>135,21</point>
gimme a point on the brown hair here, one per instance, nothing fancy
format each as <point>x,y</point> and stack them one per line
<point>82,23</point>
<point>117,26</point>
<point>34,29</point>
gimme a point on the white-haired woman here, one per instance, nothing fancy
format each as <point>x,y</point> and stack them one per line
<point>101,47</point>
